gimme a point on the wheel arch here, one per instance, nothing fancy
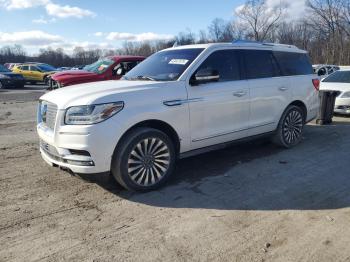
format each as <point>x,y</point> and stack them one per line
<point>301,105</point>
<point>159,125</point>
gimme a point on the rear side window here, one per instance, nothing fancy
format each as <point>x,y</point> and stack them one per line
<point>260,64</point>
<point>338,77</point>
<point>226,62</point>
<point>293,63</point>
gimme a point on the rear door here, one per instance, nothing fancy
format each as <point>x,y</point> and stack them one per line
<point>269,91</point>
<point>35,73</point>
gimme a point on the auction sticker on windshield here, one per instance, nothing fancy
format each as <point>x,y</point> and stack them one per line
<point>178,62</point>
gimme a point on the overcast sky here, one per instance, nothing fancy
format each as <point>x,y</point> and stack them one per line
<point>107,23</point>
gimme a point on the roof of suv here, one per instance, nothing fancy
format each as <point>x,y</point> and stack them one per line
<point>246,44</point>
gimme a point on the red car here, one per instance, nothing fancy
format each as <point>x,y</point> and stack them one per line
<point>108,68</point>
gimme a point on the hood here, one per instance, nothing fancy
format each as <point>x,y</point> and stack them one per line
<point>71,76</point>
<point>97,92</point>
<point>342,87</point>
<point>72,73</point>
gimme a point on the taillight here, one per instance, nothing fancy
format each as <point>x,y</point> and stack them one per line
<point>316,83</point>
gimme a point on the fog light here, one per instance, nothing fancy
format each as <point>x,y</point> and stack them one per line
<point>80,163</point>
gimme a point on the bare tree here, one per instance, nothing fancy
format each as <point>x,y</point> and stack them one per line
<point>259,19</point>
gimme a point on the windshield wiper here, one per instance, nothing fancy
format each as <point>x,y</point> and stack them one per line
<point>149,78</point>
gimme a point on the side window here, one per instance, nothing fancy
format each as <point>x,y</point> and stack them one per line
<point>225,62</point>
<point>34,68</point>
<point>260,64</point>
<point>26,68</point>
<point>294,63</point>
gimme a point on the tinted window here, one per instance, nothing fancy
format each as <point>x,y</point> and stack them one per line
<point>226,62</point>
<point>260,64</point>
<point>25,67</point>
<point>166,65</point>
<point>338,77</point>
<point>34,68</point>
<point>294,63</point>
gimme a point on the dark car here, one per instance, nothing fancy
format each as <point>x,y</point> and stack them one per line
<point>108,68</point>
<point>9,79</point>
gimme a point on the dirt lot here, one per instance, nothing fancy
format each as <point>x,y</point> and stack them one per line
<point>252,202</point>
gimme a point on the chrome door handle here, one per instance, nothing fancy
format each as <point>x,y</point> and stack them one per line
<point>239,93</point>
<point>283,88</point>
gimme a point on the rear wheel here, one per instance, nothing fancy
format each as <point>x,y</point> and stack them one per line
<point>290,128</point>
<point>144,160</point>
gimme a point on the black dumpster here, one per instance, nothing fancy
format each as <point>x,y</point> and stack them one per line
<point>326,110</point>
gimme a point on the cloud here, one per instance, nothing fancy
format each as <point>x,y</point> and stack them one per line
<point>52,9</point>
<point>68,11</point>
<point>98,34</point>
<point>23,4</point>
<point>43,21</point>
<point>116,36</point>
<point>29,38</point>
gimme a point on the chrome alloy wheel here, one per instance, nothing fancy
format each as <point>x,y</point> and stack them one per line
<point>293,126</point>
<point>148,161</point>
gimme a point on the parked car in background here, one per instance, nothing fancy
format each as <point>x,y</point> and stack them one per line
<point>339,81</point>
<point>63,68</point>
<point>9,79</point>
<point>78,67</point>
<point>34,72</point>
<point>108,68</point>
<point>178,102</point>
<point>324,70</point>
<point>10,65</point>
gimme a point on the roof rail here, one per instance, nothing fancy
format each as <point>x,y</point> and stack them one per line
<point>239,41</point>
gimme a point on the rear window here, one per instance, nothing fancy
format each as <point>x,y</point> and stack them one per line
<point>338,77</point>
<point>260,64</point>
<point>293,63</point>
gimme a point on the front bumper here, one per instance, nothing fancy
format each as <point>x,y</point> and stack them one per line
<point>342,106</point>
<point>65,143</point>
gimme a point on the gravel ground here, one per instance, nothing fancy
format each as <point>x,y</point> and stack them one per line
<point>252,202</point>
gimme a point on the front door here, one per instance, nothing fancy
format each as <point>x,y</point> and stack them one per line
<point>219,111</point>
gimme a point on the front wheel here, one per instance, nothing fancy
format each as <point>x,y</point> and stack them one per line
<point>290,128</point>
<point>144,160</point>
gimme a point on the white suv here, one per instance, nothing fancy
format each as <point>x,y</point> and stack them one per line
<point>178,102</point>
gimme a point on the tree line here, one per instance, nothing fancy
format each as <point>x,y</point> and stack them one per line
<point>324,31</point>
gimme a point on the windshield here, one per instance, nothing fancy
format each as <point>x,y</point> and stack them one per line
<point>99,66</point>
<point>164,66</point>
<point>4,69</point>
<point>46,68</point>
<point>338,77</point>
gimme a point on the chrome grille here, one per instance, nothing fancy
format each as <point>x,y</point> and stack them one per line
<point>48,113</point>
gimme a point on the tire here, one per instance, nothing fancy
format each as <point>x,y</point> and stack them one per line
<point>143,160</point>
<point>2,85</point>
<point>290,127</point>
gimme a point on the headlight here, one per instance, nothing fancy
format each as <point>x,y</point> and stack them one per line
<point>4,76</point>
<point>91,114</point>
<point>346,95</point>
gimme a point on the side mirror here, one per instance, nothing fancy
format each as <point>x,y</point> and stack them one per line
<point>205,76</point>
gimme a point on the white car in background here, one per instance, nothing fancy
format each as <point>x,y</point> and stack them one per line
<point>325,70</point>
<point>179,102</point>
<point>339,81</point>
